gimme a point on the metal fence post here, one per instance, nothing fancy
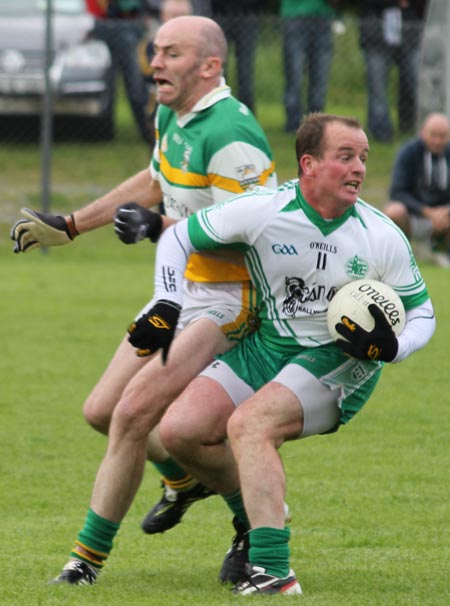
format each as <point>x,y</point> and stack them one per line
<point>46,134</point>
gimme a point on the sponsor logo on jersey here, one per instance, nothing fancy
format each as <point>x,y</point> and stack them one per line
<point>299,295</point>
<point>187,151</point>
<point>186,157</point>
<point>248,176</point>
<point>180,209</point>
<point>323,246</point>
<point>356,267</point>
<point>284,249</point>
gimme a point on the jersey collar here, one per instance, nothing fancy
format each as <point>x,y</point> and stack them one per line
<point>326,226</point>
<point>223,91</point>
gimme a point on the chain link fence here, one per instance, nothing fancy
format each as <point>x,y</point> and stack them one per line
<point>296,66</point>
<point>102,95</point>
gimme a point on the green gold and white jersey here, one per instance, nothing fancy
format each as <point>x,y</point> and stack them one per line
<point>297,260</point>
<point>213,153</point>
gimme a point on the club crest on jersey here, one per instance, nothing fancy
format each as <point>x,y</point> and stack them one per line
<point>247,175</point>
<point>356,267</point>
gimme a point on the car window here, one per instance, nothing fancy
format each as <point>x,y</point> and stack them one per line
<point>32,7</point>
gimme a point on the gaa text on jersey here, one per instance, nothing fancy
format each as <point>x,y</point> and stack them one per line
<point>284,249</point>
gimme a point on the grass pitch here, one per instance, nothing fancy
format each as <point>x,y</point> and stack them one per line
<point>370,504</point>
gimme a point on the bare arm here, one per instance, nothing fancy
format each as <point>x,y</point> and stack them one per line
<point>140,188</point>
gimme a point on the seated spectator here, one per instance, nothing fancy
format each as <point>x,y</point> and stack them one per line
<point>420,190</point>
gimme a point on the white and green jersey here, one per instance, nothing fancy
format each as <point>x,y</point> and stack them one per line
<point>296,259</point>
<point>213,153</point>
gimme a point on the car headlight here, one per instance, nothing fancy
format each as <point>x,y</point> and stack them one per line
<point>93,54</point>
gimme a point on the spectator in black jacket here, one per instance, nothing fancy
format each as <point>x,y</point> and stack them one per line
<point>420,190</point>
<point>390,33</point>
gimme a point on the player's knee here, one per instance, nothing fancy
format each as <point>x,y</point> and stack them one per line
<point>241,426</point>
<point>134,417</point>
<point>98,414</point>
<point>175,435</point>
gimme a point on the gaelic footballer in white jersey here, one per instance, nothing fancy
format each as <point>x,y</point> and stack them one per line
<point>296,259</point>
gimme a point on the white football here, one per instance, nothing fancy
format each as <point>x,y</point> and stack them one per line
<point>353,300</point>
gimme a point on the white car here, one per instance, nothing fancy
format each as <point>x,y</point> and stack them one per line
<point>81,75</point>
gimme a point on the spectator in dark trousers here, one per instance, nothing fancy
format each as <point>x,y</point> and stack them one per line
<point>390,33</point>
<point>239,21</point>
<point>121,24</point>
<point>307,46</point>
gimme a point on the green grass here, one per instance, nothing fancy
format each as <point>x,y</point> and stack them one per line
<point>370,504</point>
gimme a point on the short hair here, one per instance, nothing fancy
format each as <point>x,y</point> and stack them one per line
<point>310,137</point>
<point>213,42</point>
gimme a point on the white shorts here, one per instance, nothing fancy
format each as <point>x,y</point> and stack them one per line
<point>320,404</point>
<point>331,386</point>
<point>230,305</point>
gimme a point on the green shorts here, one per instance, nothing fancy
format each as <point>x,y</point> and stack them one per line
<point>350,382</point>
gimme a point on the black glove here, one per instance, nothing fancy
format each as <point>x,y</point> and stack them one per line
<point>134,223</point>
<point>155,329</point>
<point>41,229</point>
<point>378,344</point>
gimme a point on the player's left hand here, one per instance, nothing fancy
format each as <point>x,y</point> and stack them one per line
<point>377,344</point>
<point>155,329</point>
<point>42,229</point>
<point>133,223</point>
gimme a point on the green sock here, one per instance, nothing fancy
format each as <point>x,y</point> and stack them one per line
<point>174,475</point>
<point>236,504</point>
<point>269,548</point>
<point>97,538</point>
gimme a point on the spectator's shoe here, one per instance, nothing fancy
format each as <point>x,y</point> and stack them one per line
<point>76,572</point>
<point>236,558</point>
<point>168,512</point>
<point>256,580</point>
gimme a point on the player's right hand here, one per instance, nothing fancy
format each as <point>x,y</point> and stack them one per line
<point>134,223</point>
<point>41,229</point>
<point>378,344</point>
<point>155,329</point>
